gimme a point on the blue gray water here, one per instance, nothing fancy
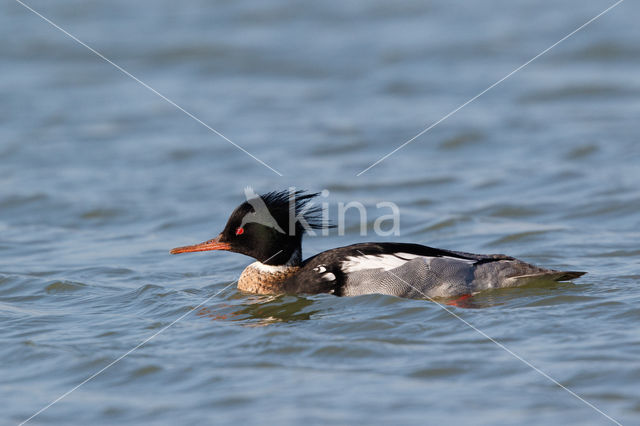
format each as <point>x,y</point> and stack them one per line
<point>99,178</point>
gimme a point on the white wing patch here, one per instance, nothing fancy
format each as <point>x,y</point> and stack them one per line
<point>387,261</point>
<point>376,261</point>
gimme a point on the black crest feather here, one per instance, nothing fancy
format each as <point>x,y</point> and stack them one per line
<point>288,204</point>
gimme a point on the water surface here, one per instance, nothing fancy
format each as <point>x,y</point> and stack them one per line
<point>99,178</point>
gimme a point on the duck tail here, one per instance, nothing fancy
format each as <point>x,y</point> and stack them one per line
<point>547,276</point>
<point>569,275</point>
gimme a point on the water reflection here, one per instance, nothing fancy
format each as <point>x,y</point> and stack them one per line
<point>262,310</point>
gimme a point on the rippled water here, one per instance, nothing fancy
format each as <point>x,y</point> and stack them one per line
<point>100,177</point>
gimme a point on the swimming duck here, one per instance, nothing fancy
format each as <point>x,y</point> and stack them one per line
<point>269,228</point>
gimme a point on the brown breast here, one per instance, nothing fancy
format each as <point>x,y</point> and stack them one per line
<point>265,280</point>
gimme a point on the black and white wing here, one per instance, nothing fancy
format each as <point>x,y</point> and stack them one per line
<point>408,275</point>
<point>406,270</point>
<point>415,271</point>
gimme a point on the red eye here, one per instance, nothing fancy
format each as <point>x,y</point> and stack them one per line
<point>239,231</point>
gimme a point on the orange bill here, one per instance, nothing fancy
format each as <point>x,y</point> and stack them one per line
<point>213,244</point>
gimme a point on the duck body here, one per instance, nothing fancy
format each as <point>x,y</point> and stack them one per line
<point>398,269</point>
<point>262,228</point>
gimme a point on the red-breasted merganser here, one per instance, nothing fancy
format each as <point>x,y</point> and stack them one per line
<point>258,228</point>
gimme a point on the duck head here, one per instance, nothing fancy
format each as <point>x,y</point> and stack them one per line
<point>267,227</point>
